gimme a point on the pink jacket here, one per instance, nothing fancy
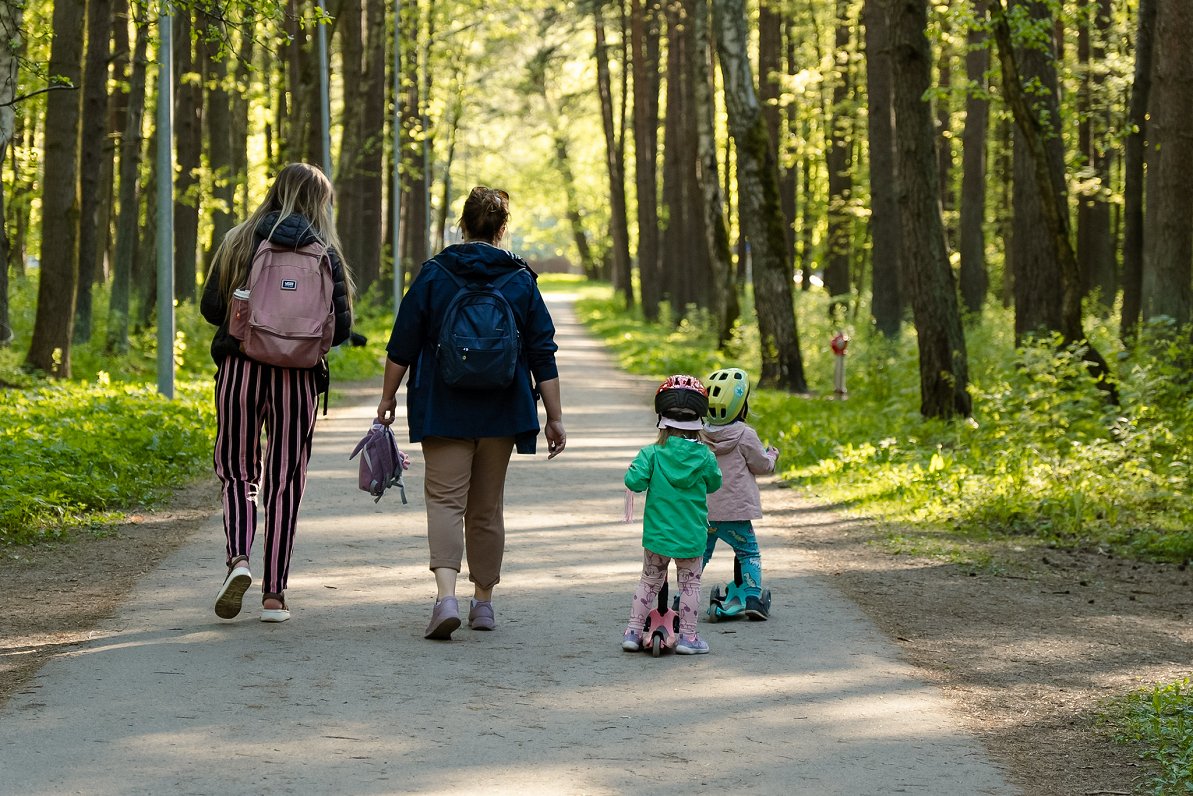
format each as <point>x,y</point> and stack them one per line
<point>740,456</point>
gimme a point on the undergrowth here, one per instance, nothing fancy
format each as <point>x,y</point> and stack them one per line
<point>1045,456</point>
<point>1159,721</point>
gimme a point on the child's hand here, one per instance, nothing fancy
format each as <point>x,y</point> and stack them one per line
<point>772,452</point>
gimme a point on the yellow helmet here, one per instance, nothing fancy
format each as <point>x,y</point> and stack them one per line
<point>728,391</point>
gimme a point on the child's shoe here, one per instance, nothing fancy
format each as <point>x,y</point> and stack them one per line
<point>756,609</point>
<point>691,645</point>
<point>631,641</point>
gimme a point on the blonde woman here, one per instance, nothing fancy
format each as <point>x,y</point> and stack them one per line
<point>251,396</point>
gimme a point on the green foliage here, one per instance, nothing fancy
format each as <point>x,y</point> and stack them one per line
<point>74,454</point>
<point>1045,456</point>
<point>1159,720</point>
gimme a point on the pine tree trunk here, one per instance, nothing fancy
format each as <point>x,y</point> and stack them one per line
<point>975,281</point>
<point>1095,248</point>
<point>188,132</point>
<point>49,350</point>
<point>349,199</point>
<point>615,166</point>
<point>725,307</point>
<point>11,20</point>
<point>760,212</point>
<point>770,73</point>
<point>367,267</point>
<point>644,36</point>
<point>128,219</point>
<point>1133,160</point>
<point>943,360</point>
<point>838,160</point>
<point>1168,233</point>
<point>93,125</point>
<point>886,303</point>
<point>219,132</point>
<point>944,123</point>
<point>117,111</point>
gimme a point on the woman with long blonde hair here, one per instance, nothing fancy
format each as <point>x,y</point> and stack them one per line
<point>252,396</point>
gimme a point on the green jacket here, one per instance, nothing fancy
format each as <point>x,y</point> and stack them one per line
<point>678,475</point>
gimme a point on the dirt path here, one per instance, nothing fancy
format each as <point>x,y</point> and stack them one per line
<point>348,697</point>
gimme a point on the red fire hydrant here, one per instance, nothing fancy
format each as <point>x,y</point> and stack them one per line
<point>839,343</point>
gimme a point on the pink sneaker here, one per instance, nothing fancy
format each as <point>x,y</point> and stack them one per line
<point>480,615</point>
<point>445,618</point>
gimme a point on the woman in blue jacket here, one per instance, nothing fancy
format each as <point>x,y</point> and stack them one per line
<point>468,435</point>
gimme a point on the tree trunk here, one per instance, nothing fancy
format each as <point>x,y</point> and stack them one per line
<point>49,351</point>
<point>1133,159</point>
<point>240,127</point>
<point>975,281</point>
<point>760,211</point>
<point>943,361</point>
<point>944,123</point>
<point>725,307</point>
<point>684,261</point>
<point>644,36</point>
<point>93,125</point>
<point>128,219</point>
<point>1168,234</point>
<point>11,19</point>
<point>414,196</point>
<point>301,136</point>
<point>886,302</point>
<point>117,111</point>
<point>788,166</point>
<point>188,133</point>
<point>838,160</point>
<point>771,70</point>
<point>1039,135</point>
<point>219,131</point>
<point>615,166</point>
<point>1095,248</point>
<point>367,266</point>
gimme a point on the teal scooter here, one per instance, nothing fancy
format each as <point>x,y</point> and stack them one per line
<point>731,601</point>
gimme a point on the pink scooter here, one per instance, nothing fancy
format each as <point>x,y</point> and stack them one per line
<point>661,633</point>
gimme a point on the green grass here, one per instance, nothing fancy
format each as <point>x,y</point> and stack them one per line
<point>1044,457</point>
<point>1159,721</point>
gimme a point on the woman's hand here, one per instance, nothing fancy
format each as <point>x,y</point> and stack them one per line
<point>386,410</point>
<point>557,438</point>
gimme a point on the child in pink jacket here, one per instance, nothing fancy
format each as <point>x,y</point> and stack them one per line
<point>741,456</point>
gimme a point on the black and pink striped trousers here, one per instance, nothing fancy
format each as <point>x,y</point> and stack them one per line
<point>250,396</point>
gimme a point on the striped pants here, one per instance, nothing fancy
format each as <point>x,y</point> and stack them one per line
<point>250,396</point>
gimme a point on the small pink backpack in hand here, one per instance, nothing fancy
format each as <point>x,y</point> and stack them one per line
<point>381,463</point>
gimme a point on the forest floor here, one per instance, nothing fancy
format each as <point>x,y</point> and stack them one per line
<point>1029,651</point>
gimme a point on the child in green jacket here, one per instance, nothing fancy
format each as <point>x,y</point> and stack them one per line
<point>677,472</point>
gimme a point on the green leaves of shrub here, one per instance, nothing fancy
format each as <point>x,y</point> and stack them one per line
<point>68,451</point>
<point>1160,721</point>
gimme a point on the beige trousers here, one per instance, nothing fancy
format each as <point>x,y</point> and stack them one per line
<point>465,492</point>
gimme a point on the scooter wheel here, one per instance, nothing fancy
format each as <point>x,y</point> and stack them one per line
<point>656,645</point>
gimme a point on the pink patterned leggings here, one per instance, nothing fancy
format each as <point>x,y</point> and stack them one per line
<point>654,573</point>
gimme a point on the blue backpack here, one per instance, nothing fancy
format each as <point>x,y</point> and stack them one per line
<point>479,340</point>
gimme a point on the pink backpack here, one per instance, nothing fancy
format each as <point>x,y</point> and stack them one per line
<point>284,315</point>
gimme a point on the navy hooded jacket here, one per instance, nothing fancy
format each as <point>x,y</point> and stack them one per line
<point>435,409</point>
